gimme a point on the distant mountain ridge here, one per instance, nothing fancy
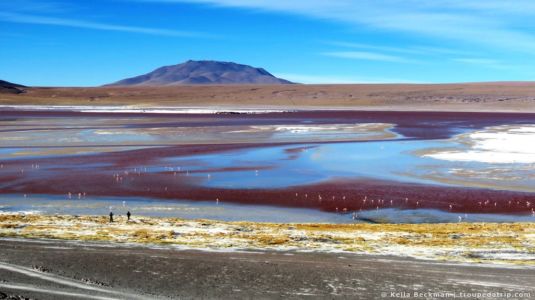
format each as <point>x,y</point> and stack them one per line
<point>203,72</point>
<point>13,88</point>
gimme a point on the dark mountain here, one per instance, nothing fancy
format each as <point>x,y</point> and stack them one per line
<point>12,88</point>
<point>204,72</point>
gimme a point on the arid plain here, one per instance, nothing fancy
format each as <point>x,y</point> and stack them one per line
<point>498,96</point>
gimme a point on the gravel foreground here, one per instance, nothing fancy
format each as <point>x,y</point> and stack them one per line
<point>46,269</point>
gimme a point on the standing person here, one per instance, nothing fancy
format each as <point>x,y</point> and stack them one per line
<point>111,216</point>
<point>128,214</point>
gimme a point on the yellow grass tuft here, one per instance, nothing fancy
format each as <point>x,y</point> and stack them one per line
<point>452,242</point>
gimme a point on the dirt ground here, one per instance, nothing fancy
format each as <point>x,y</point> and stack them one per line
<point>43,269</point>
<point>497,96</point>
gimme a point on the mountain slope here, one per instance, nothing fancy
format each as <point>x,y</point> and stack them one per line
<point>204,72</point>
<point>12,88</point>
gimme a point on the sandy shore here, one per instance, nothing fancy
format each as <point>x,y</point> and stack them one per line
<point>502,243</point>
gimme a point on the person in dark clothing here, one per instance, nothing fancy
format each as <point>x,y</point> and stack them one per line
<point>128,214</point>
<point>111,217</point>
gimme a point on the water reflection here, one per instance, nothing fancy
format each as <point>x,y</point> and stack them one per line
<point>140,206</point>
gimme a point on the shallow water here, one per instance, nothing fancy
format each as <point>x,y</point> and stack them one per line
<point>285,166</point>
<point>227,211</point>
<point>322,150</point>
<point>139,206</point>
<point>397,160</point>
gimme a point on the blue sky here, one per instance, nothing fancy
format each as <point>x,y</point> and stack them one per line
<point>86,43</point>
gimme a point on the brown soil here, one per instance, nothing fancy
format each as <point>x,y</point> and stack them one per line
<point>495,96</point>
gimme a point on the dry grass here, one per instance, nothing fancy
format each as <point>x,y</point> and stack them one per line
<point>485,242</point>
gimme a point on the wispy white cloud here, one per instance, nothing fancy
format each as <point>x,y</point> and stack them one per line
<point>323,79</point>
<point>524,7</point>
<point>66,22</point>
<point>487,63</point>
<point>493,23</point>
<point>31,6</point>
<point>362,55</point>
<point>477,61</point>
<point>405,50</point>
<point>413,49</point>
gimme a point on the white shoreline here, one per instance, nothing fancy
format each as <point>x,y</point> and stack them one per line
<point>507,144</point>
<point>140,109</point>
